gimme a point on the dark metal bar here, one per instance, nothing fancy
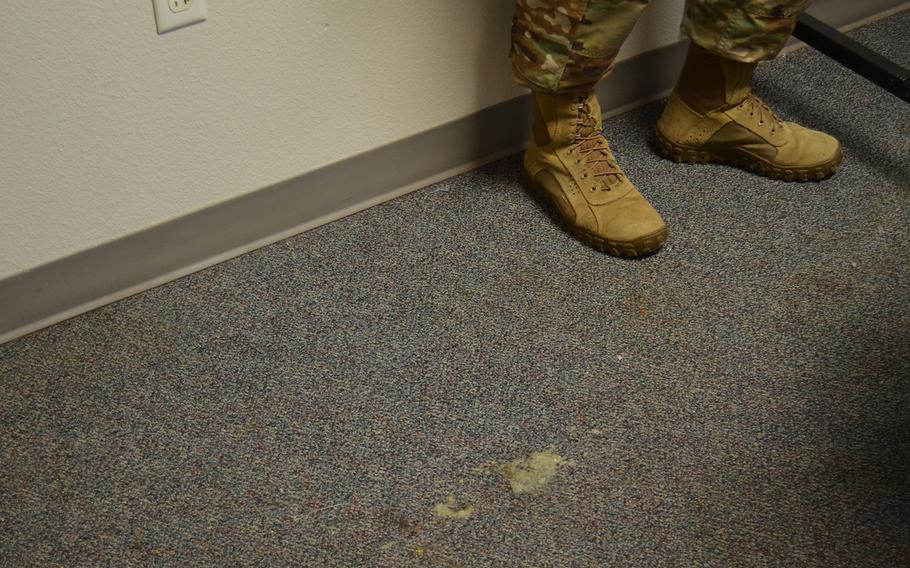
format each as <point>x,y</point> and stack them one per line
<point>856,57</point>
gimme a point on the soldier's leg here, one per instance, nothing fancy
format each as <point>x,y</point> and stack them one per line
<point>569,45</point>
<point>560,50</point>
<point>742,30</point>
<point>713,116</point>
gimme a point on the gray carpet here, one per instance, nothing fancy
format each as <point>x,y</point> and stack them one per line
<point>740,398</point>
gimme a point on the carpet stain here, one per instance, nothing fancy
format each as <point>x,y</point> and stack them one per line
<point>446,510</point>
<point>533,473</point>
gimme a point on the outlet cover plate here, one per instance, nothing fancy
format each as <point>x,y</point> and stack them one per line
<point>173,14</point>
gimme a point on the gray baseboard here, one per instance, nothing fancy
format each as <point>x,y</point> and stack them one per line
<point>67,287</point>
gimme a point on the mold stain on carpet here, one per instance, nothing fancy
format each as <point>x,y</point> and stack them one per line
<point>448,511</point>
<point>534,473</point>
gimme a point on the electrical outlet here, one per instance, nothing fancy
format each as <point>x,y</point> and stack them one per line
<point>173,14</point>
<point>179,5</point>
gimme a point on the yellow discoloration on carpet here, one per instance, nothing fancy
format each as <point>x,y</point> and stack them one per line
<point>446,510</point>
<point>533,473</point>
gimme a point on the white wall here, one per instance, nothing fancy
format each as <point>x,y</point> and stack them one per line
<point>107,128</point>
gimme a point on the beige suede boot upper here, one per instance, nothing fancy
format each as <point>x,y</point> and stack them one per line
<point>569,165</point>
<point>713,116</point>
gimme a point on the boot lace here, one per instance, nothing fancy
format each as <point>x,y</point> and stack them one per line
<point>758,107</point>
<point>593,149</point>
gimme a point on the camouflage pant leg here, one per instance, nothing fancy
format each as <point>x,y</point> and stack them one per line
<point>744,30</point>
<point>569,45</point>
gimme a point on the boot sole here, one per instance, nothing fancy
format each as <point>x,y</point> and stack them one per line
<point>743,160</point>
<point>626,249</point>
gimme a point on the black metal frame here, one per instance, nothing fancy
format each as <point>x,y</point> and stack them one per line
<point>855,56</point>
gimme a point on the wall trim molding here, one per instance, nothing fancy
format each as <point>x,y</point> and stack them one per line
<point>67,287</point>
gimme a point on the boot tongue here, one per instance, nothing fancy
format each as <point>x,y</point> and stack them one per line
<point>600,161</point>
<point>587,126</point>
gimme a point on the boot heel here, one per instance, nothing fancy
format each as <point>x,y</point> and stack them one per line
<point>681,154</point>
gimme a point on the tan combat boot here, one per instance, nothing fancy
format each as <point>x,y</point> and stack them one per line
<point>712,116</point>
<point>569,166</point>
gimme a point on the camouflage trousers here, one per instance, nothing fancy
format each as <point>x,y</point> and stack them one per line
<point>569,45</point>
